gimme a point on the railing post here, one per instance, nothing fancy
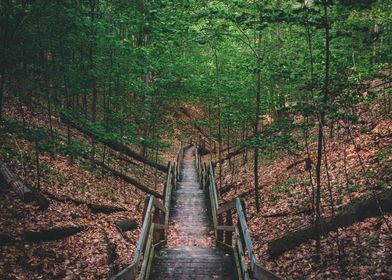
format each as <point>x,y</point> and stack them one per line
<point>229,234</point>
<point>220,232</point>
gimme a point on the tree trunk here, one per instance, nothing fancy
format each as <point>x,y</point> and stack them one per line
<point>256,127</point>
<point>354,212</point>
<point>321,133</point>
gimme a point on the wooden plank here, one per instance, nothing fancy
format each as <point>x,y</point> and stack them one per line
<point>226,248</point>
<point>212,182</point>
<point>261,273</point>
<point>213,209</point>
<point>237,265</point>
<point>146,255</point>
<point>159,226</point>
<point>159,205</point>
<point>229,222</point>
<point>245,233</point>
<point>168,194</point>
<point>149,262</point>
<point>144,231</point>
<point>126,274</point>
<point>241,256</point>
<point>227,206</point>
<point>226,228</point>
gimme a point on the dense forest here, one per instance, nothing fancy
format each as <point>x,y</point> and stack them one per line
<point>291,101</point>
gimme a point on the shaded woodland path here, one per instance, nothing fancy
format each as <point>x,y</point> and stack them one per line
<point>190,253</point>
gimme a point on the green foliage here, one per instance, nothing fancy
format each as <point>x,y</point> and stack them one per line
<point>143,59</point>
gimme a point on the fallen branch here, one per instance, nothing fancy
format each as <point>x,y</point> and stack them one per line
<point>129,180</point>
<point>25,193</point>
<point>51,233</point>
<point>354,212</point>
<point>117,146</point>
<point>95,208</point>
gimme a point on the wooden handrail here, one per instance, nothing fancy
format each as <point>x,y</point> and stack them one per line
<point>155,222</point>
<point>243,245</point>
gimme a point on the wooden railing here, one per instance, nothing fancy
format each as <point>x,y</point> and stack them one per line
<point>153,233</point>
<point>225,230</point>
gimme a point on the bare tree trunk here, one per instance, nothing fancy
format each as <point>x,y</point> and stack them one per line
<point>321,133</point>
<point>256,127</point>
<point>2,83</point>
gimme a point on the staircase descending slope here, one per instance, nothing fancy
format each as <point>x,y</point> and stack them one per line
<point>191,255</point>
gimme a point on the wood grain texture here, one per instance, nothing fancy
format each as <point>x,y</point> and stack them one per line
<point>191,255</point>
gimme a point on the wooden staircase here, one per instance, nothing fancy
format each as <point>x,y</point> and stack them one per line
<point>201,241</point>
<point>191,256</point>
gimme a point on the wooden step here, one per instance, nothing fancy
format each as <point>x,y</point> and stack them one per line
<point>193,263</point>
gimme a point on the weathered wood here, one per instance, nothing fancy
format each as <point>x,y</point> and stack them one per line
<point>144,231</point>
<point>126,225</point>
<point>227,206</point>
<point>245,233</point>
<point>192,224</point>
<point>229,223</point>
<point>117,146</point>
<point>226,228</point>
<point>146,255</point>
<point>129,180</point>
<point>51,234</point>
<point>190,262</point>
<point>24,192</point>
<point>219,232</point>
<point>241,256</point>
<point>95,208</point>
<point>160,226</point>
<point>159,205</point>
<point>354,212</point>
<point>126,274</point>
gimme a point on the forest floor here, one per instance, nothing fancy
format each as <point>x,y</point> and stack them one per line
<point>100,248</point>
<point>359,163</point>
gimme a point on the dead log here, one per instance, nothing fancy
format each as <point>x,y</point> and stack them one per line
<point>51,234</point>
<point>126,225</point>
<point>24,192</point>
<point>129,180</point>
<point>12,181</point>
<point>354,212</point>
<point>117,146</point>
<point>95,208</point>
